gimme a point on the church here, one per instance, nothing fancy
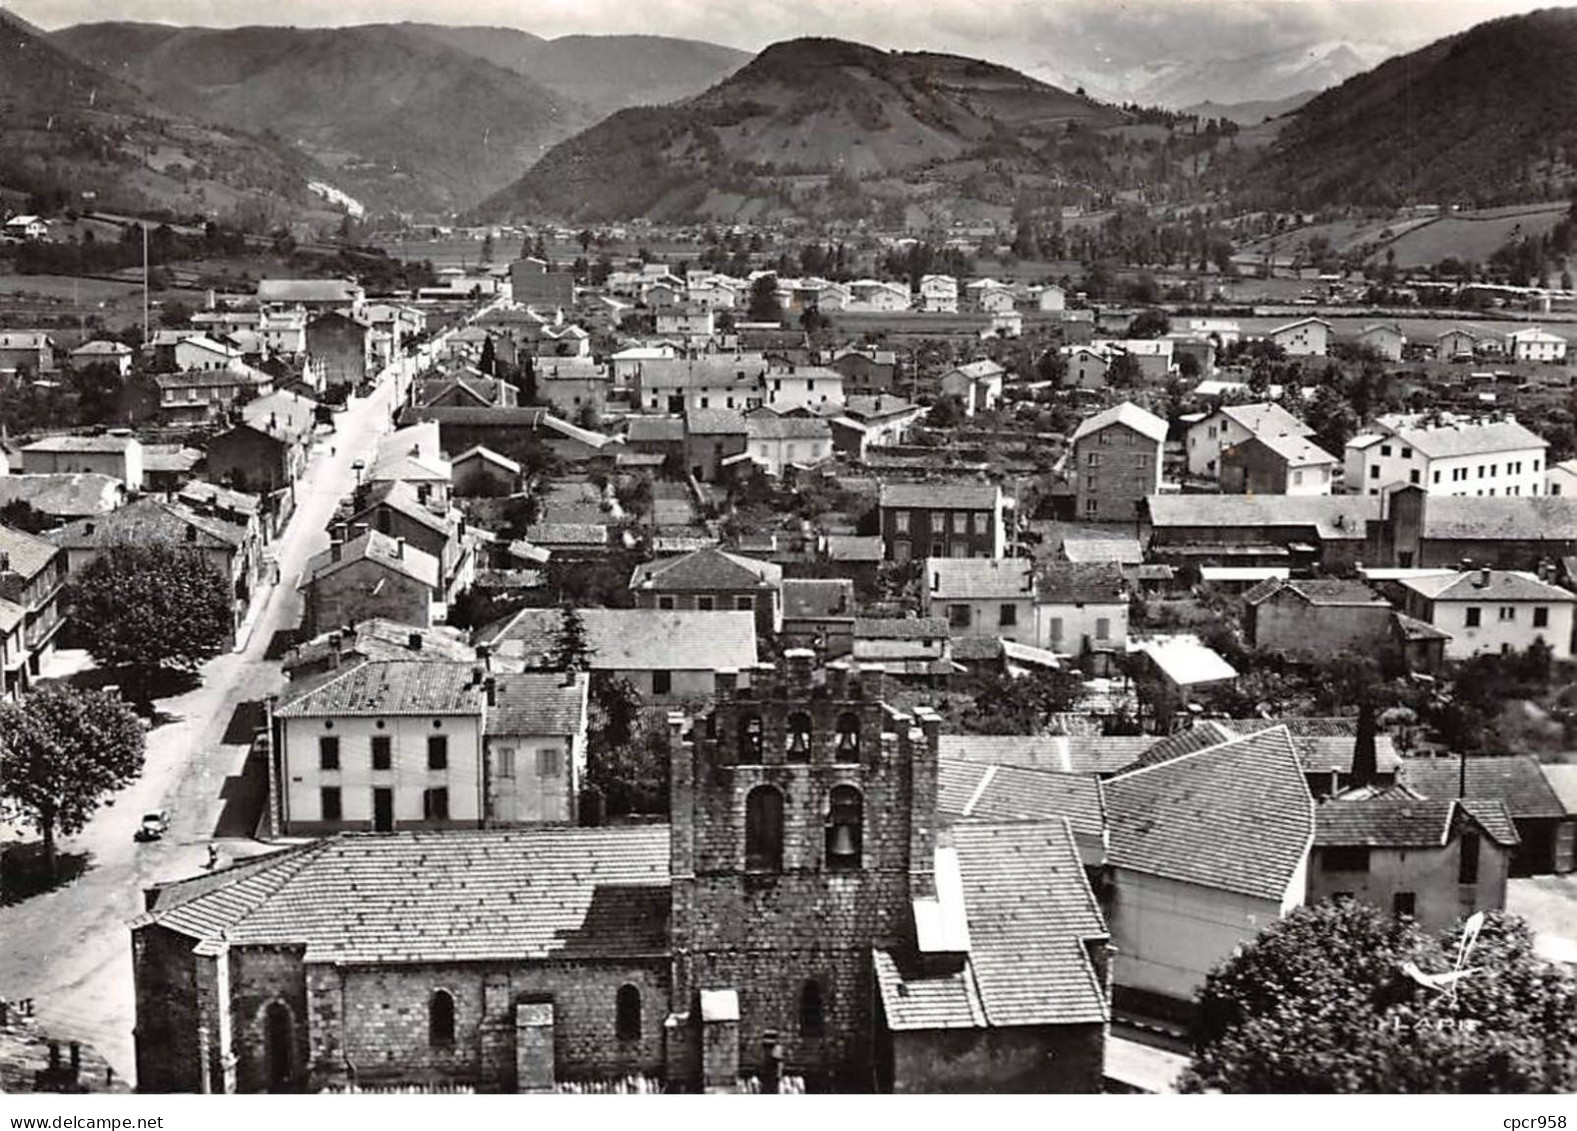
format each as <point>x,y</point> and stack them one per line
<point>803,916</point>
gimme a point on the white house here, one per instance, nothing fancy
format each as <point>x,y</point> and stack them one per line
<point>784,387</point>
<point>116,355</point>
<point>992,597</point>
<point>1307,337</point>
<point>199,352</point>
<point>1231,425</point>
<point>1206,850</point>
<point>1536,344</point>
<point>939,294</point>
<point>978,385</point>
<point>775,442</point>
<point>1447,456</point>
<point>1561,478</point>
<point>1385,339</point>
<point>1492,610</point>
<point>875,296</point>
<point>27,228</point>
<point>1087,366</point>
<point>1051,298</point>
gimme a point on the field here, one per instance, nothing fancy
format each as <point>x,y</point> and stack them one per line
<point>29,300</point>
<point>1473,235</point>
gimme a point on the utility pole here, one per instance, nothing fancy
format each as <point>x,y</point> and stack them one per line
<point>145,285</point>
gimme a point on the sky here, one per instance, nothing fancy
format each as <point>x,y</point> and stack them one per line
<point>991,28</point>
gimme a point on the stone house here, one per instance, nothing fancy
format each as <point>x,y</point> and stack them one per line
<point>1278,464</point>
<point>1317,617</point>
<point>32,574</point>
<point>1115,461</point>
<point>1545,829</point>
<point>480,471</point>
<point>267,450</point>
<point>372,575</point>
<point>342,346</point>
<point>116,453</point>
<point>942,520</point>
<point>1230,425</point>
<point>713,580</point>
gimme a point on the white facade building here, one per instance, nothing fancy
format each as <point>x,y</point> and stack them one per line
<point>1449,457</point>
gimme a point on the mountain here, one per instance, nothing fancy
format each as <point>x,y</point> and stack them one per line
<point>1249,113</point>
<point>1261,77</point>
<point>400,119</point>
<point>1482,117</point>
<point>67,129</point>
<point>823,126</point>
<point>604,73</point>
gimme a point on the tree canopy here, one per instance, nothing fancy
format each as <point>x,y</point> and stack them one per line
<point>153,606</point>
<point>1321,1002</point>
<point>61,751</point>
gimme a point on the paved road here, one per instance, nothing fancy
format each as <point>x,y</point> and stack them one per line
<point>70,950</point>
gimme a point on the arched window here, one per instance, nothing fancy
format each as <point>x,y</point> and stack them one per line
<point>627,1013</point>
<point>812,1009</point>
<point>799,731</point>
<point>279,1046</point>
<point>764,830</point>
<point>845,827</point>
<point>440,1018</point>
<point>750,739</point>
<point>848,744</point>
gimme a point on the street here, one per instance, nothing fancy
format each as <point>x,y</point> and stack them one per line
<point>69,949</point>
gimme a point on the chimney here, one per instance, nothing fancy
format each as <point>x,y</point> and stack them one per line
<point>399,547</point>
<point>490,686</point>
<point>336,549</point>
<point>191,533</point>
<point>1482,581</point>
<point>1365,759</point>
<point>414,642</point>
<point>483,653</point>
<point>336,642</point>
<point>5,562</point>
<point>476,677</point>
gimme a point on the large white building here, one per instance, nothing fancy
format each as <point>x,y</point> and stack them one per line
<point>939,294</point>
<point>1447,456</point>
<point>1536,344</point>
<point>1492,610</point>
<point>1231,425</point>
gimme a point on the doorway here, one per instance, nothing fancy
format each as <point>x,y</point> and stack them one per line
<point>383,810</point>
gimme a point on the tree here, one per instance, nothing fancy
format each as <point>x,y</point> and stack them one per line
<point>488,362</point>
<point>1124,372</point>
<point>1320,1003</point>
<point>1022,704</point>
<point>627,751</point>
<point>763,306</point>
<point>1151,323</point>
<point>61,751</point>
<point>153,606</point>
<point>572,650</point>
<point>487,248</point>
<point>19,514</point>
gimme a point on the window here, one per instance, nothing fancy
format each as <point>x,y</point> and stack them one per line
<point>1345,858</point>
<point>1541,617</point>
<point>435,804</point>
<point>437,752</point>
<point>1103,628</point>
<point>745,604</point>
<point>1472,618</point>
<point>665,601</point>
<point>1055,630</point>
<point>1407,453</point>
<point>627,1013</point>
<point>1093,459</point>
<point>938,522</point>
<point>750,739</point>
<point>1297,478</point>
<point>799,731</point>
<point>1007,616</point>
<point>440,1018</point>
<point>329,799</point>
<point>1092,506</point>
<point>959,519</point>
<point>764,829</point>
<point>550,763</point>
<point>662,682</point>
<point>504,763</point>
<point>812,1009</point>
<point>328,752</point>
<point>958,616</point>
<point>1507,614</point>
<point>901,521</point>
<point>1492,468</point>
<point>705,604</point>
<point>1481,471</point>
<point>1374,471</point>
<point>1385,449</point>
<point>1467,862</point>
<point>382,752</point>
<point>1412,476</point>
<point>848,743</point>
<point>1437,477</point>
<point>1404,904</point>
<point>845,827</point>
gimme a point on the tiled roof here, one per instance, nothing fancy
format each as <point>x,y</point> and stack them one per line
<point>11,615</point>
<point>1074,754</point>
<point>1029,911</point>
<point>1266,416</point>
<point>1522,518</point>
<point>635,639</point>
<point>979,370</point>
<point>1081,583</point>
<point>387,687</point>
<point>885,405</point>
<point>283,416</point>
<point>414,562</point>
<point>980,578</point>
<point>1499,585</point>
<point>1324,745</point>
<point>1237,816</point>
<point>1332,516</point>
<point>568,534</point>
<point>806,598</point>
<point>900,628</point>
<point>106,444</point>
<point>854,547</point>
<point>1391,821</point>
<point>1129,415</point>
<point>715,422</point>
<point>467,416</point>
<point>1297,451</point>
<point>410,469</point>
<point>695,373</point>
<point>946,495</point>
<point>487,455</point>
<point>455,896</point>
<point>656,430</point>
<point>28,554</point>
<point>1324,591</point>
<point>400,496</point>
<point>981,791</point>
<point>768,427</point>
<point>148,521</point>
<point>199,493</point>
<point>1469,438</point>
<point>307,290</point>
<point>1124,551</point>
<point>65,494</point>
<point>1517,780</point>
<point>1190,740</point>
<point>170,457</point>
<point>537,703</point>
<point>707,569</point>
<point>379,638</point>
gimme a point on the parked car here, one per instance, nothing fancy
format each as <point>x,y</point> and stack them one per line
<point>153,827</point>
